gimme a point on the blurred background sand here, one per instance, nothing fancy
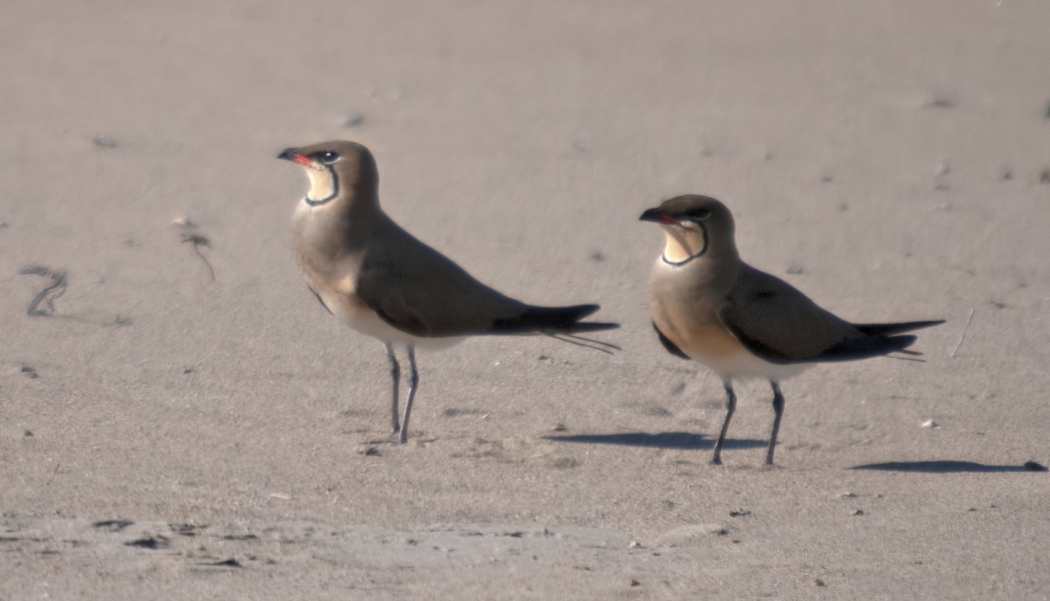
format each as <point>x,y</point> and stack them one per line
<point>165,435</point>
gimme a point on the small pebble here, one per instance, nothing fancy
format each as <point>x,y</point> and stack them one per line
<point>857,512</point>
<point>559,428</point>
<point>930,424</point>
<point>353,119</point>
<point>739,512</point>
<point>183,222</point>
<point>635,545</point>
<point>819,582</point>
<point>29,433</point>
<point>846,495</point>
<point>635,582</point>
<point>942,170</point>
<point>104,142</point>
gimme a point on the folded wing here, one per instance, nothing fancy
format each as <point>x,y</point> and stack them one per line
<point>776,322</point>
<point>418,290</point>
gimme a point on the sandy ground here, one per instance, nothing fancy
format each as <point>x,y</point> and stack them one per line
<point>163,435</point>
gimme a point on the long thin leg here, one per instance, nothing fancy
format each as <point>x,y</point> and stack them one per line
<point>395,375</point>
<point>716,457</point>
<point>778,407</point>
<point>413,381</point>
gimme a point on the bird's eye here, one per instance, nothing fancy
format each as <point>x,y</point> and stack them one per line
<point>328,157</point>
<point>699,214</point>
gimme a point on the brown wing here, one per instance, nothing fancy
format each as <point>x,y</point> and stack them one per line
<point>780,324</point>
<point>418,290</point>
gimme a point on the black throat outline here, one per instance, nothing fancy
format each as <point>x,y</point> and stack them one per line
<point>335,192</point>
<point>703,249</point>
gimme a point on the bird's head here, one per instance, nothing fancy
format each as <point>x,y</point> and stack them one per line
<point>336,169</point>
<point>695,226</point>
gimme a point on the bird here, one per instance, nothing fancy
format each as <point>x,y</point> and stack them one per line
<point>709,306</point>
<point>381,281</point>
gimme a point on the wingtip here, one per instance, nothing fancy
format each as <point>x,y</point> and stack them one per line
<point>888,329</point>
<point>585,310</point>
<point>866,347</point>
<point>592,326</point>
<point>555,319</point>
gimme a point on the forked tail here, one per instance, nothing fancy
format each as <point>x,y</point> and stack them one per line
<point>889,329</point>
<point>561,323</point>
<point>551,319</point>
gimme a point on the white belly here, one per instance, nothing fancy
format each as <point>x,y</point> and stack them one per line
<point>743,365</point>
<point>366,321</point>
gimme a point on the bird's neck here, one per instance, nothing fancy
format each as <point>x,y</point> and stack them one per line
<point>679,248</point>
<point>349,219</point>
<point>324,185</point>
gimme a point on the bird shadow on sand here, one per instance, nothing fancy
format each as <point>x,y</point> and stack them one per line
<point>948,467</point>
<point>659,440</point>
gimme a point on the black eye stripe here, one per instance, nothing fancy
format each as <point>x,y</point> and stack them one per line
<point>697,214</point>
<point>693,215</point>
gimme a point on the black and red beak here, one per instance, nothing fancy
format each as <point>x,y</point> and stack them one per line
<point>656,216</point>
<point>293,155</point>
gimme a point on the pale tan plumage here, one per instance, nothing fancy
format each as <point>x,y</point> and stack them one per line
<point>381,281</point>
<point>708,305</point>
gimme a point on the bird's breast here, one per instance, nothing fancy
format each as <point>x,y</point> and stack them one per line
<point>702,340</point>
<point>683,303</point>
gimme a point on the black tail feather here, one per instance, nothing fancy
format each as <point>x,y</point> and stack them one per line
<point>862,348</point>
<point>590,343</point>
<point>888,329</point>
<point>551,319</point>
<point>588,326</point>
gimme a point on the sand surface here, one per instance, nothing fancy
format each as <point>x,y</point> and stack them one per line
<point>163,435</point>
